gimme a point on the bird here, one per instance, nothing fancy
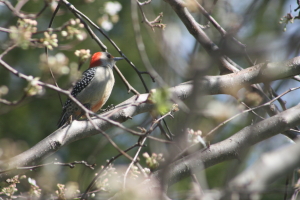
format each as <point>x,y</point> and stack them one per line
<point>92,89</point>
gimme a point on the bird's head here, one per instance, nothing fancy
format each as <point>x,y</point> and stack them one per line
<point>103,59</point>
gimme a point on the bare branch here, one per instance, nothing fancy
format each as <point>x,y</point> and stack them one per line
<point>195,30</point>
<point>250,110</point>
<point>141,143</point>
<point>234,146</point>
<point>156,22</point>
<point>144,3</point>
<point>136,105</point>
<point>270,167</point>
<point>17,12</point>
<point>13,103</point>
<point>101,171</point>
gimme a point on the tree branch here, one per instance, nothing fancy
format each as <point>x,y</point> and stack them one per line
<point>232,147</point>
<point>195,30</point>
<point>270,167</point>
<point>212,85</point>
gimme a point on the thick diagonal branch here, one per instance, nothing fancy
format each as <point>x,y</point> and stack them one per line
<point>211,85</point>
<point>232,147</point>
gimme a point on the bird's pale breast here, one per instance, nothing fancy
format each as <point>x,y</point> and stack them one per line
<point>99,90</point>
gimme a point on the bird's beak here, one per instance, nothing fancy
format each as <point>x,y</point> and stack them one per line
<point>118,58</point>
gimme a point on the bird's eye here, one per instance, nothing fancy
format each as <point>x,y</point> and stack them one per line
<point>108,55</point>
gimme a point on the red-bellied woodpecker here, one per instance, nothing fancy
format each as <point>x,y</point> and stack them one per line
<point>93,89</point>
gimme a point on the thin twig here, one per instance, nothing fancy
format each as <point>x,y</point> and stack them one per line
<point>109,139</point>
<point>22,15</point>
<point>74,10</point>
<point>156,22</point>
<point>256,114</point>
<point>78,14</point>
<point>225,34</point>
<point>143,53</point>
<point>46,51</point>
<point>141,46</point>
<point>220,28</point>
<point>5,30</point>
<point>101,171</point>
<point>29,78</point>
<point>71,165</point>
<point>144,3</point>
<point>141,143</point>
<point>13,103</point>
<point>142,140</point>
<point>7,50</point>
<point>127,84</point>
<point>251,109</point>
<point>20,4</point>
<point>281,102</point>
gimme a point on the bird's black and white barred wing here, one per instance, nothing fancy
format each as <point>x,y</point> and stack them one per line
<point>85,80</point>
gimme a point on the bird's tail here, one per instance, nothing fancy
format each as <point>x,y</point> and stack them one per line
<point>63,119</point>
<point>68,116</point>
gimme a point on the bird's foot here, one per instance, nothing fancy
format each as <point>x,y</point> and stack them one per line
<point>108,108</point>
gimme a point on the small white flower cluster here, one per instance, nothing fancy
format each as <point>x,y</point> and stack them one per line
<point>68,191</point>
<point>285,20</point>
<point>194,137</point>
<point>34,188</point>
<point>153,160</point>
<point>3,90</point>
<point>58,63</point>
<point>110,16</point>
<point>74,30</point>
<point>83,54</point>
<point>50,40</point>
<point>33,87</point>
<point>104,181</point>
<point>12,187</point>
<point>22,33</point>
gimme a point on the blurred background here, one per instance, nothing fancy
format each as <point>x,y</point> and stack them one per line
<point>171,51</point>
